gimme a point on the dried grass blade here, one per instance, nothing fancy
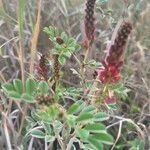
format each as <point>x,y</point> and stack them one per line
<point>21,14</point>
<point>35,38</point>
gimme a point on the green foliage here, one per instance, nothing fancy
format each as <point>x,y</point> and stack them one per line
<point>85,117</point>
<point>8,87</point>
<point>30,86</point>
<point>102,1</point>
<point>72,92</point>
<point>14,95</point>
<point>15,90</point>
<point>64,49</point>
<point>137,145</point>
<point>94,143</point>
<point>27,98</point>
<point>48,115</point>
<point>95,128</point>
<point>120,90</point>
<point>38,134</point>
<point>18,86</point>
<point>76,107</point>
<point>100,116</point>
<point>89,131</point>
<point>43,87</point>
<point>94,64</point>
<point>52,33</point>
<point>82,133</point>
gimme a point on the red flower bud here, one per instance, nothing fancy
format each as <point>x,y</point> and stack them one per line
<point>111,99</point>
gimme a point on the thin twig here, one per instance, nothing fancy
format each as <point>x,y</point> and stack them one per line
<point>60,142</point>
<point>6,132</point>
<point>132,122</point>
<point>46,147</point>
<point>23,119</point>
<point>118,136</point>
<point>31,143</point>
<point>69,146</point>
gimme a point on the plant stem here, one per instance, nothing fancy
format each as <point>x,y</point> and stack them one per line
<point>83,67</point>
<point>62,145</point>
<point>69,146</point>
<point>35,38</point>
<point>23,119</point>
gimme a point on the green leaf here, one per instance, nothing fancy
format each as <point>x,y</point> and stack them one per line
<point>43,87</point>
<point>89,147</point>
<point>61,60</point>
<point>27,98</point>
<point>49,138</point>
<point>30,86</point>
<point>38,134</point>
<point>35,115</point>
<point>84,117</point>
<point>82,133</point>
<point>77,47</point>
<point>95,128</point>
<point>89,108</point>
<point>47,128</point>
<point>76,107</point>
<point>57,125</point>
<point>70,42</point>
<point>101,116</point>
<point>93,64</point>
<point>70,120</point>
<point>52,32</point>
<point>7,87</point>
<point>137,144</point>
<point>67,54</point>
<point>71,49</point>
<point>73,108</point>
<point>72,92</point>
<point>64,36</point>
<point>97,145</point>
<point>112,107</point>
<point>49,114</point>
<point>102,1</point>
<point>14,95</point>
<point>18,85</point>
<point>121,91</point>
<point>103,138</point>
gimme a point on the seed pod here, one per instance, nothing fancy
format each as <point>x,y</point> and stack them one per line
<point>59,40</point>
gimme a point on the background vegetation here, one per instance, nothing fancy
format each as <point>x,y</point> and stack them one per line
<point>22,41</point>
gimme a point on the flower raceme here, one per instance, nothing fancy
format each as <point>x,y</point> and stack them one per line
<point>42,69</point>
<point>89,23</point>
<point>115,53</point>
<point>110,72</point>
